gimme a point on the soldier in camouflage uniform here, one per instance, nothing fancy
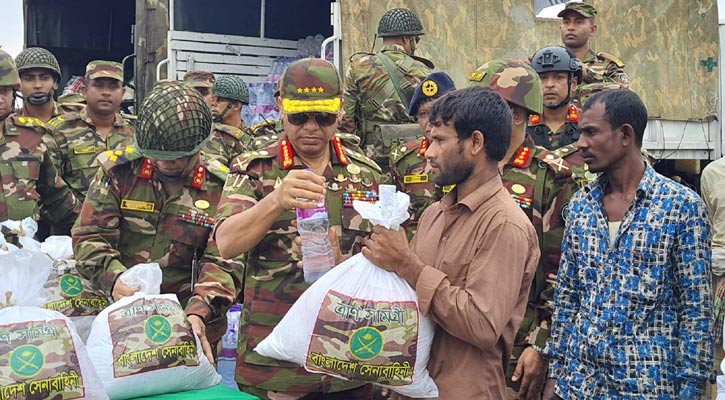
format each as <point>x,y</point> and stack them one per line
<point>39,79</point>
<point>256,214</point>
<point>540,182</point>
<point>230,137</point>
<point>71,102</point>
<point>378,87</point>
<point>410,170</point>
<point>155,202</point>
<point>202,81</point>
<point>601,70</point>
<point>79,137</point>
<point>31,186</point>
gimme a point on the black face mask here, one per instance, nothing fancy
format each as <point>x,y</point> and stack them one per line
<point>39,100</point>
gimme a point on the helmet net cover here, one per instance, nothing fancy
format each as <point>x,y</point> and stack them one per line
<point>173,122</point>
<point>400,22</point>
<point>38,57</point>
<point>8,71</point>
<point>231,87</point>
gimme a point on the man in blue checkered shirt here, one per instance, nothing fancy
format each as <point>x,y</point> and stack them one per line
<point>633,303</point>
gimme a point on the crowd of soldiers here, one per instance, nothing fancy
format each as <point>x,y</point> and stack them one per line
<point>185,183</point>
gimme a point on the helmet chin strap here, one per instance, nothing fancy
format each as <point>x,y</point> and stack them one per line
<point>220,117</point>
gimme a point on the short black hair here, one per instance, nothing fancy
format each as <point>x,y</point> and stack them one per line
<point>477,108</point>
<point>622,106</point>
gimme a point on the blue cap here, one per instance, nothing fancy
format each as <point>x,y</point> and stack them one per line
<point>433,86</point>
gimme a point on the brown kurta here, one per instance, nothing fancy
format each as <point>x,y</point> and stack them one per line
<point>480,254</point>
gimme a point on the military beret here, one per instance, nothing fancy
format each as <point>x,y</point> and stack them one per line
<point>579,7</point>
<point>433,86</point>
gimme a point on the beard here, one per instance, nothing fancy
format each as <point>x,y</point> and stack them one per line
<point>455,174</point>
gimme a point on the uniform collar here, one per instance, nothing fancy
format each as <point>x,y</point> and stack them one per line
<point>118,121</point>
<point>476,198</point>
<point>196,179</point>
<point>286,158</point>
<point>645,188</point>
<point>393,47</point>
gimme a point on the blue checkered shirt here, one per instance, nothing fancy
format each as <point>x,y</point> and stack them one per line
<point>632,318</point>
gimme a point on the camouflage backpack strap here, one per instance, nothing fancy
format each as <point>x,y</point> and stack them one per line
<point>604,56</point>
<point>110,159</point>
<point>396,78</point>
<point>349,140</point>
<point>358,156</point>
<point>215,168</point>
<point>54,123</point>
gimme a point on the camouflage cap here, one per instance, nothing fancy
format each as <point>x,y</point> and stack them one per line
<point>400,22</point>
<point>71,98</point>
<point>8,71</point>
<point>38,57</point>
<point>515,80</point>
<point>579,7</point>
<point>104,69</point>
<point>174,122</point>
<point>199,79</point>
<point>308,85</point>
<point>232,87</point>
<point>433,86</point>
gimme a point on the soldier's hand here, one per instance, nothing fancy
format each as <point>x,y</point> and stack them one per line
<point>532,368</point>
<point>549,393</point>
<point>300,184</point>
<point>197,324</point>
<point>121,290</point>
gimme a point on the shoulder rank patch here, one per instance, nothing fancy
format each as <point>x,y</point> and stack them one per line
<point>288,154</point>
<point>29,122</point>
<point>534,119</point>
<point>523,157</point>
<point>424,143</point>
<point>611,58</point>
<point>557,164</point>
<point>197,180</point>
<point>135,205</point>
<point>358,156</point>
<point>147,169</point>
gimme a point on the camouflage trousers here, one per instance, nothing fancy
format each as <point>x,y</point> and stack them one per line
<point>359,393</point>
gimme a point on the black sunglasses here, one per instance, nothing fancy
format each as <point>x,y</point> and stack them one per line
<point>322,118</point>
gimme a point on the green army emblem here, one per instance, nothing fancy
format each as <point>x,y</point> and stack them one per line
<point>27,361</point>
<point>366,343</point>
<point>71,285</point>
<point>158,329</point>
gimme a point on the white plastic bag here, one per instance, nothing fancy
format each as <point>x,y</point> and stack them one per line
<point>144,345</point>
<point>25,231</point>
<point>41,355</point>
<point>360,322</point>
<point>58,247</point>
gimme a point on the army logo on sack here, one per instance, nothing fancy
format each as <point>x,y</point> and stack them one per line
<point>366,343</point>
<point>70,285</point>
<point>158,329</point>
<point>27,361</point>
<point>430,88</point>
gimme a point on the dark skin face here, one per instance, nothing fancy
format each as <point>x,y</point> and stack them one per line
<point>556,87</point>
<point>36,82</point>
<point>446,156</point>
<point>576,30</point>
<point>103,95</point>
<point>600,143</point>
<point>6,101</point>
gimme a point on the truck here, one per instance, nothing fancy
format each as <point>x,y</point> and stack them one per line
<point>672,49</point>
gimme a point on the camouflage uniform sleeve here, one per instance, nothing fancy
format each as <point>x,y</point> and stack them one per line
<point>218,285</point>
<point>96,233</point>
<point>351,93</point>
<point>242,190</point>
<point>58,205</point>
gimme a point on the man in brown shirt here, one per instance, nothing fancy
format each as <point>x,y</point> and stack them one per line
<point>475,252</point>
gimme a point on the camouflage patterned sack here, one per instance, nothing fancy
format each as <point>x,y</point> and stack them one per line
<point>143,345</point>
<point>360,331</point>
<point>41,355</point>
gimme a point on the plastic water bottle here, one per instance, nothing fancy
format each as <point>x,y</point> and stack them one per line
<point>228,355</point>
<point>318,256</point>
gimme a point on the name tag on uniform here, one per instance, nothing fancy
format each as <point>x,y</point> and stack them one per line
<point>136,205</point>
<point>416,178</point>
<point>84,150</point>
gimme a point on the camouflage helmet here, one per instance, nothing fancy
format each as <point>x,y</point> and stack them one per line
<point>557,58</point>
<point>8,71</point>
<point>310,85</point>
<point>38,57</point>
<point>400,22</point>
<point>173,122</point>
<point>515,80</point>
<point>232,87</point>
